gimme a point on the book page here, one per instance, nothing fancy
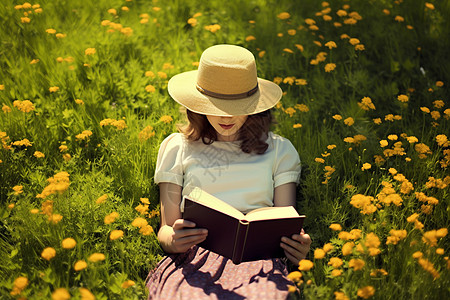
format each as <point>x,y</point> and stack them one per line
<point>200,196</point>
<point>266,213</point>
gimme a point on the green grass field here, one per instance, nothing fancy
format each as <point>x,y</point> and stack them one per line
<point>83,91</point>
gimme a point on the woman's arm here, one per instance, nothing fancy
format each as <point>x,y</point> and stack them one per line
<point>297,247</point>
<point>175,234</point>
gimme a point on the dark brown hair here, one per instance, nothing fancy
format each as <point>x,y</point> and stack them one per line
<point>252,134</point>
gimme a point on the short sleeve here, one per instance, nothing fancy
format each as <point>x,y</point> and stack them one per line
<point>287,166</point>
<point>169,167</point>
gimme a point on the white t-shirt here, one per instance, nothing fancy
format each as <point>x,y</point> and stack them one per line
<point>245,181</point>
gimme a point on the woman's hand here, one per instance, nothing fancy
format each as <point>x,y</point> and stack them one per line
<point>297,247</point>
<point>181,236</point>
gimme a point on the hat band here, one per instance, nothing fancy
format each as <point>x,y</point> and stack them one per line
<point>227,96</point>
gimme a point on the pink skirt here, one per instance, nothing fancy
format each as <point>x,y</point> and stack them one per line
<point>202,274</point>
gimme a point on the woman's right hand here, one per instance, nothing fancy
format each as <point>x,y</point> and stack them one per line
<point>181,236</point>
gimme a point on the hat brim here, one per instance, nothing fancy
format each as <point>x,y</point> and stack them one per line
<point>183,89</point>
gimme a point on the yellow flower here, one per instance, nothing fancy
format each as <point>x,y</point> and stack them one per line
<point>354,41</point>
<point>18,189</point>
<point>127,284</point>
<point>299,47</point>
<point>438,103</point>
<point>124,8</point>
<point>396,236</point>
<point>290,111</point>
<point>166,119</point>
<point>319,160</point>
<point>305,265</point>
<point>80,265</point>
<point>191,21</point>
<point>89,51</point>
<point>440,251</point>
<point>60,35</point>
<point>298,125</point>
<point>337,117</point>
<point>349,121</point>
<point>20,283</point>
<point>60,294</point>
<point>111,217</point>
<point>213,28</point>
<point>292,31</point>
<point>319,253</point>
<point>146,133</point>
<point>429,267</point>
<point>68,243</point>
<point>283,15</point>
<point>162,75</point>
<point>366,166</point>
<point>366,292</point>
<point>399,19</point>
<point>150,88</point>
<point>112,11</point>
<point>295,276</point>
<point>366,104</point>
<point>439,83</point>
<point>288,50</point>
<point>139,222</point>
<point>116,234</point>
<point>327,247</point>
<point>101,199</point>
<point>48,253</point>
<point>96,257</point>
<point>24,142</point>
<point>340,296</point>
<point>428,5</point>
<point>335,227</point>
<point>336,273</point>
<point>86,294</point>
<point>150,74</point>
<point>24,106</point>
<point>335,262</point>
<point>146,230</point>
<point>250,38</point>
<point>347,248</point>
<point>34,61</point>
<point>330,45</point>
<point>330,67</point>
<point>53,89</point>
<point>360,47</point>
<point>402,98</point>
<point>357,264</point>
<point>442,140</point>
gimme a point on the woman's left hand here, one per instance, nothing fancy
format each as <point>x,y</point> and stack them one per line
<point>297,247</point>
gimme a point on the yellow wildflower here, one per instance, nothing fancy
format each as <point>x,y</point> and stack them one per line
<point>68,243</point>
<point>90,51</point>
<point>166,119</point>
<point>366,104</point>
<point>127,284</point>
<point>366,166</point>
<point>295,276</point>
<point>357,264</point>
<point>80,265</point>
<point>139,222</point>
<point>24,142</point>
<point>283,16</point>
<point>402,98</point>
<point>327,247</point>
<point>96,257</point>
<point>212,28</point>
<point>39,154</point>
<point>60,294</point>
<point>150,88</point>
<point>101,199</point>
<point>116,234</point>
<point>429,5</point>
<point>18,189</point>
<point>336,273</point>
<point>146,133</point>
<point>53,89</point>
<point>396,236</point>
<point>305,265</point>
<point>298,125</point>
<point>399,19</point>
<point>340,296</point>
<point>48,253</point>
<point>290,111</point>
<point>20,283</point>
<point>347,248</point>
<point>146,230</point>
<point>335,227</point>
<point>429,267</point>
<point>330,45</point>
<point>162,75</point>
<point>439,83</point>
<point>86,294</point>
<point>366,292</point>
<point>111,217</point>
<point>349,121</point>
<point>330,67</point>
<point>335,262</point>
<point>24,106</point>
<point>354,41</point>
<point>319,253</point>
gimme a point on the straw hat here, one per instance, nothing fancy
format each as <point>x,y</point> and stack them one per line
<point>225,84</point>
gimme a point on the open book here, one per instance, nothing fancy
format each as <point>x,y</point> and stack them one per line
<point>256,235</point>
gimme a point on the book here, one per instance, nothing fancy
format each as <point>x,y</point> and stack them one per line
<point>253,236</point>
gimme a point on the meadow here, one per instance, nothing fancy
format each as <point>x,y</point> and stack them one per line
<point>83,92</point>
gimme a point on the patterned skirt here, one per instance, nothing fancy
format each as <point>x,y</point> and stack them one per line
<point>202,274</point>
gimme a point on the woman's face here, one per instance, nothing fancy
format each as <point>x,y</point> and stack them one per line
<point>227,127</point>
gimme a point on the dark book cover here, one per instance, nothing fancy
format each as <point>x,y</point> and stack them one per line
<point>239,239</point>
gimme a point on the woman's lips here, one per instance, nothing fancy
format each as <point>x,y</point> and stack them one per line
<point>226,126</point>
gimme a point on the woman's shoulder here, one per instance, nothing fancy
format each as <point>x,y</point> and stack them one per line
<point>276,138</point>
